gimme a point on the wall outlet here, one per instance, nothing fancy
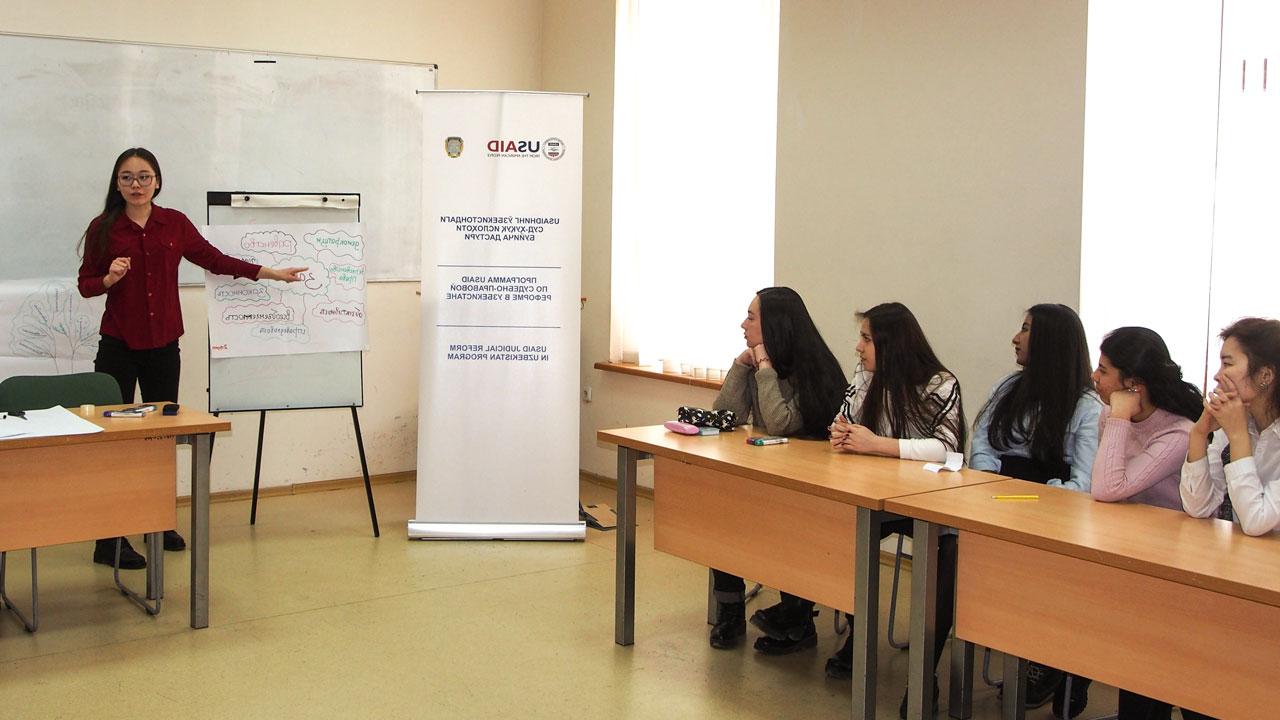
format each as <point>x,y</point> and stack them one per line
<point>586,394</point>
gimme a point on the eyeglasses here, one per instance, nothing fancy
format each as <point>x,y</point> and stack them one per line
<point>144,180</point>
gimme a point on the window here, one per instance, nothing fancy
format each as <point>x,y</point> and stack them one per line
<point>695,128</point>
<point>1179,220</point>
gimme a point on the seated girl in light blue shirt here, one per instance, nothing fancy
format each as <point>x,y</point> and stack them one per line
<point>1041,424</point>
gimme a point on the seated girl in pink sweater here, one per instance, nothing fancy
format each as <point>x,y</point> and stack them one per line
<point>1143,444</point>
<point>1144,428</point>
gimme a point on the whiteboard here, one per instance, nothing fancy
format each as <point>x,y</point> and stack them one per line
<point>283,382</point>
<point>216,120</point>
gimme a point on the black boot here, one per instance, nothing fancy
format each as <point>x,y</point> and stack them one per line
<point>787,627</point>
<point>1042,682</point>
<point>173,542</point>
<point>1079,696</point>
<point>840,665</point>
<point>104,553</point>
<point>731,625</point>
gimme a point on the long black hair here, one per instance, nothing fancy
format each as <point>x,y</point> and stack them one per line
<point>1260,340</point>
<point>905,363</point>
<point>94,240</point>
<point>801,357</point>
<point>1140,354</point>
<point>1037,403</point>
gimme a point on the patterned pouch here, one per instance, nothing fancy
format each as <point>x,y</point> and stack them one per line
<point>723,420</point>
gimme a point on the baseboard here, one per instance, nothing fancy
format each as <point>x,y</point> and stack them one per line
<point>612,484</point>
<point>886,557</point>
<point>308,487</point>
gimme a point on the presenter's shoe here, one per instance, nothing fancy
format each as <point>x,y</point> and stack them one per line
<point>104,553</point>
<point>788,627</point>
<point>1042,682</point>
<point>1079,696</point>
<point>902,709</point>
<point>840,665</point>
<point>173,542</point>
<point>730,627</point>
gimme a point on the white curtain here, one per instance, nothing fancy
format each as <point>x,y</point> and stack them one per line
<point>695,127</point>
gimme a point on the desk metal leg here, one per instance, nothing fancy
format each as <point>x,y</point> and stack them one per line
<point>201,449</point>
<point>624,599</point>
<point>155,566</point>
<point>713,607</point>
<point>1015,687</point>
<point>866,605</point>
<point>924,607</point>
<point>960,704</point>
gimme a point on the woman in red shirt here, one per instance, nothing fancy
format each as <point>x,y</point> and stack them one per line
<point>131,253</point>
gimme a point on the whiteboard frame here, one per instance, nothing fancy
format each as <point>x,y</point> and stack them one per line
<point>282,368</point>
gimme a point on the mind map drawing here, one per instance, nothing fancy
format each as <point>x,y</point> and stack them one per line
<point>323,312</point>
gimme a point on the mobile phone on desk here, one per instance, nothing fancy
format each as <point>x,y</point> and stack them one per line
<point>766,440</point>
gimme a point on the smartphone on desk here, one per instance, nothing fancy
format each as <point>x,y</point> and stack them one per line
<point>766,440</point>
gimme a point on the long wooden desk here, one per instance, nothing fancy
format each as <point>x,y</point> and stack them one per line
<point>1139,597</point>
<point>73,488</point>
<point>798,517</point>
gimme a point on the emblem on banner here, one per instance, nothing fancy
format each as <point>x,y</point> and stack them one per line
<point>453,146</point>
<point>553,148</point>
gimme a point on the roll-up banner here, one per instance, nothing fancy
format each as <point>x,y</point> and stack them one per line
<point>501,280</point>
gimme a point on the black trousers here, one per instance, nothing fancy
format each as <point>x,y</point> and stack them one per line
<point>729,588</point>
<point>944,614</point>
<point>1133,706</point>
<point>155,370</point>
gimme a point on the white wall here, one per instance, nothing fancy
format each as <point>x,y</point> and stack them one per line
<point>932,153</point>
<point>928,152</point>
<point>488,44</point>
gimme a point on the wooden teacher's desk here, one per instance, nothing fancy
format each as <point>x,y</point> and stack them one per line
<point>72,488</point>
<point>1139,597</point>
<point>798,517</point>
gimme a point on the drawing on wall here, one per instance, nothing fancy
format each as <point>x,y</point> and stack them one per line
<point>324,312</point>
<point>50,327</point>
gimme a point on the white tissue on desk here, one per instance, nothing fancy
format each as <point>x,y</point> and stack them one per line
<point>954,462</point>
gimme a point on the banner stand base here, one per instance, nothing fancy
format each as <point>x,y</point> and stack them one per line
<point>420,530</point>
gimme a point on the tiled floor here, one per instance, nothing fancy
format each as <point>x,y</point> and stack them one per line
<point>312,617</point>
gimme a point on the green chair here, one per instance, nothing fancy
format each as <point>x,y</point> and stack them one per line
<point>36,392</point>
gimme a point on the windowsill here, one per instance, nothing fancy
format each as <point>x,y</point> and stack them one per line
<point>657,374</point>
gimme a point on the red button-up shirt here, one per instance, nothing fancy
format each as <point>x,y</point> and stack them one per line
<point>142,308</point>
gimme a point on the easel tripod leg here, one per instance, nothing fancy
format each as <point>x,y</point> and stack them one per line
<point>364,468</point>
<point>257,467</point>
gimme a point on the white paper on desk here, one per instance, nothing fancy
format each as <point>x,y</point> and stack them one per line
<point>47,423</point>
<point>954,462</point>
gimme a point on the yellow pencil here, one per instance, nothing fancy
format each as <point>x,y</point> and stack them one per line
<point>1015,497</point>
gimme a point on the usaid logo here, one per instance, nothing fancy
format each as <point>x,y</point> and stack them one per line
<point>551,148</point>
<point>514,147</point>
